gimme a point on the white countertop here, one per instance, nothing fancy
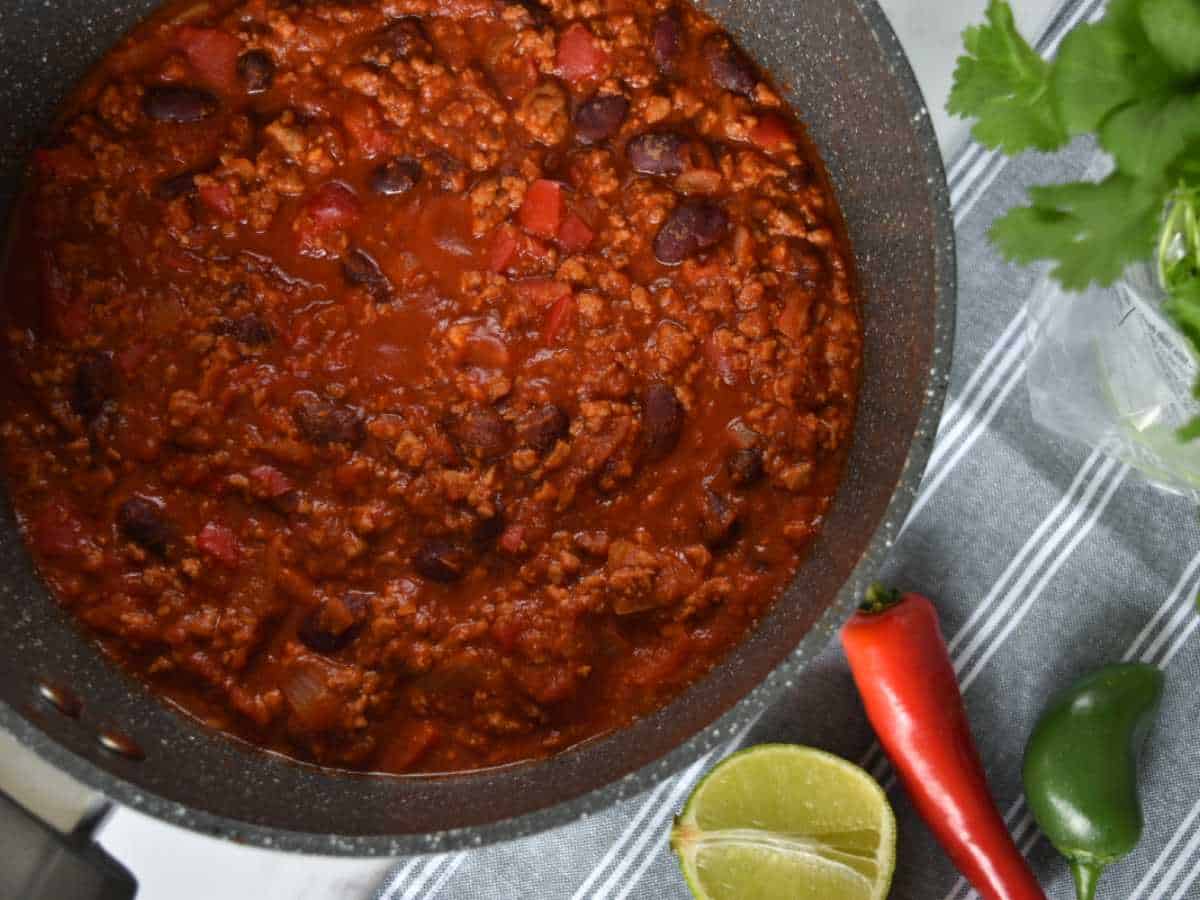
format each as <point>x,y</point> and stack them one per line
<point>173,864</point>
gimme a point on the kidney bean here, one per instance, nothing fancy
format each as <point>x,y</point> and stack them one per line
<point>600,117</point>
<point>181,185</point>
<point>248,329</point>
<point>335,622</point>
<point>172,103</point>
<point>323,422</point>
<point>440,560</point>
<point>745,466</point>
<point>691,227</point>
<point>662,420</point>
<point>397,176</point>
<point>544,427</point>
<point>488,530</point>
<point>257,71</point>
<point>656,153</point>
<point>729,67</point>
<point>718,520</point>
<point>360,268</point>
<point>143,522</point>
<point>94,385</point>
<point>481,433</point>
<point>667,40</point>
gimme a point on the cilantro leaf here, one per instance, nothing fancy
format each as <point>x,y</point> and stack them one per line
<point>1173,27</point>
<point>1102,67</point>
<point>1183,306</point>
<point>1003,83</point>
<point>1091,231</point>
<point>1146,137</point>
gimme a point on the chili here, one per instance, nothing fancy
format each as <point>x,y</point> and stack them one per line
<point>1080,768</point>
<point>422,386</point>
<point>906,679</point>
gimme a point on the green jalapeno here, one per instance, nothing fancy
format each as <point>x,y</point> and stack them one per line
<point>1081,767</point>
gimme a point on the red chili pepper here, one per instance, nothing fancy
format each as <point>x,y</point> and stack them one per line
<point>911,695</point>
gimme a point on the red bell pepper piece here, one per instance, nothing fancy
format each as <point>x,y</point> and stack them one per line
<point>574,235</point>
<point>579,56</point>
<point>907,682</point>
<point>541,210</point>
<point>220,543</point>
<point>212,53</point>
<point>560,317</point>
<point>503,248</point>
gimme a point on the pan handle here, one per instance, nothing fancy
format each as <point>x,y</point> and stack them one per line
<point>47,826</point>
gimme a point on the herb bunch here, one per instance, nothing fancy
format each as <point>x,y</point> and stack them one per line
<point>1133,80</point>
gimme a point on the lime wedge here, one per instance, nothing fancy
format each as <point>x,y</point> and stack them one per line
<point>782,822</point>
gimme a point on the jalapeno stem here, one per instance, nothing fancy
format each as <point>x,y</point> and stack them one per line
<point>1087,876</point>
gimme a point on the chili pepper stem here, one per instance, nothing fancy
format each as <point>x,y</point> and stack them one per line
<point>879,598</point>
<point>1087,876</point>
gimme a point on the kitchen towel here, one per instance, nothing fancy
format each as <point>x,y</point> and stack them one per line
<point>1046,560</point>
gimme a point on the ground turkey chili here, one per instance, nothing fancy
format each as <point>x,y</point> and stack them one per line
<point>423,385</point>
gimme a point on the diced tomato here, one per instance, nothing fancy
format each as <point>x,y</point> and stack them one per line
<point>212,53</point>
<point>560,317</point>
<point>62,162</point>
<point>267,481</point>
<point>579,56</point>
<point>772,132</point>
<point>367,132</point>
<point>541,211</point>
<point>503,249</point>
<point>543,291</point>
<point>574,235</point>
<point>220,543</point>
<point>217,197</point>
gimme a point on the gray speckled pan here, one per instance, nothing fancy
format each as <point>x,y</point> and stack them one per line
<point>852,86</point>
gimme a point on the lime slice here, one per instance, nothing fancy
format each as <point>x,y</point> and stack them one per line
<point>781,822</point>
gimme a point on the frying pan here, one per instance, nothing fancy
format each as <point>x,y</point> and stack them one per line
<point>844,71</point>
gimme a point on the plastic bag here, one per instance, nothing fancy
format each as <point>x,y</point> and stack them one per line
<point>1107,368</point>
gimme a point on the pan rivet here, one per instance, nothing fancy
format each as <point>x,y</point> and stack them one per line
<point>60,698</point>
<point>120,744</point>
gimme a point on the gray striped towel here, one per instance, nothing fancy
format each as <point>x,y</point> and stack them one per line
<point>1046,561</point>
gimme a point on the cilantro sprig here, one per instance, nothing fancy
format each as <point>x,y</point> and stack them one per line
<point>1133,80</point>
